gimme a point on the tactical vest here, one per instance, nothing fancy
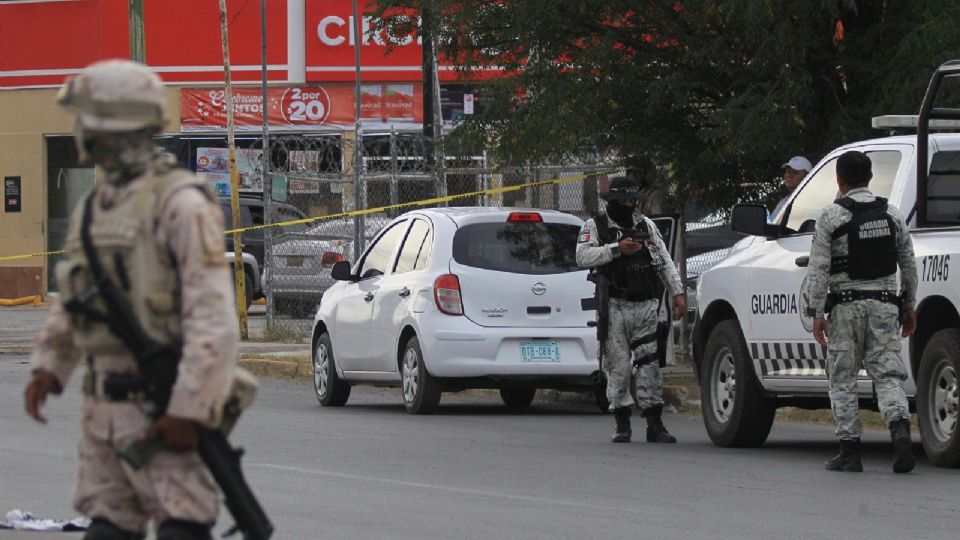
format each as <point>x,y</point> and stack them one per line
<point>125,238</point>
<point>871,239</point>
<point>632,277</point>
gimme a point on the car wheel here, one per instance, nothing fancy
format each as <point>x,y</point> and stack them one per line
<point>937,398</point>
<point>735,411</point>
<point>421,391</point>
<point>331,390</point>
<point>517,398</point>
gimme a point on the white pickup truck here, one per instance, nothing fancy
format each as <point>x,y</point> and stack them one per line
<point>752,347</point>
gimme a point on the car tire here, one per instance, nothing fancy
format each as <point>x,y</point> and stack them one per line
<point>420,390</point>
<point>937,394</point>
<point>331,390</point>
<point>735,411</point>
<point>517,398</point>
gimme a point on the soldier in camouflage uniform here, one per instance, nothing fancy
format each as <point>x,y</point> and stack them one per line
<point>627,245</point>
<point>855,256</point>
<point>159,233</point>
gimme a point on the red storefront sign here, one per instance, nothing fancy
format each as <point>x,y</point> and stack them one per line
<point>302,107</point>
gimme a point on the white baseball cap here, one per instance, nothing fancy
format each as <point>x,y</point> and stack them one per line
<point>798,163</point>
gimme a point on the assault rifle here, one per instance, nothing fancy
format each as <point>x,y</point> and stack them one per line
<point>601,297</point>
<point>157,364</point>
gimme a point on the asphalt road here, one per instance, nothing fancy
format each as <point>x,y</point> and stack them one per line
<point>369,470</point>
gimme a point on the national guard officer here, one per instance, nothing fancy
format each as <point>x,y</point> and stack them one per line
<point>159,234</point>
<point>628,254</point>
<point>858,244</point>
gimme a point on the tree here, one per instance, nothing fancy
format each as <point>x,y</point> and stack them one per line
<point>721,92</point>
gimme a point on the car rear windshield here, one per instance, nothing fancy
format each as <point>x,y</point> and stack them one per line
<point>521,248</point>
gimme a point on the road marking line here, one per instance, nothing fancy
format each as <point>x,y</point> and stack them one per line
<point>644,509</point>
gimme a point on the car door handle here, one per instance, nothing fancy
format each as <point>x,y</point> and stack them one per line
<point>368,297</point>
<point>802,262</point>
<point>404,292</point>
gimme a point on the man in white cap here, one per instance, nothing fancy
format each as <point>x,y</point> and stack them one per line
<point>794,171</point>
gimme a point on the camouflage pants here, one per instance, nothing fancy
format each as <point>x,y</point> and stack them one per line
<point>172,485</point>
<point>865,334</point>
<point>627,384</point>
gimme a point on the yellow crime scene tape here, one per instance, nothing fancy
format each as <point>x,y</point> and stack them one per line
<point>367,211</point>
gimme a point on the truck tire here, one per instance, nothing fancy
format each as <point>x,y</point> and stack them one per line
<point>937,394</point>
<point>248,285</point>
<point>735,411</point>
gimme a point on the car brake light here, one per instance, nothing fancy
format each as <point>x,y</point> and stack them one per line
<point>446,292</point>
<point>524,217</point>
<point>329,258</point>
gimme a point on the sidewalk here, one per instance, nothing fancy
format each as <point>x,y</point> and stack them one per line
<point>20,325</point>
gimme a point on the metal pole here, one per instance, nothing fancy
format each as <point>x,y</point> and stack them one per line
<point>265,169</point>
<point>238,274</point>
<point>138,48</point>
<point>427,83</point>
<point>358,236</point>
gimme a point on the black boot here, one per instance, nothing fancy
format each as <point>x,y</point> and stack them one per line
<point>902,446</point>
<point>656,431</point>
<point>622,416</point>
<point>848,460</point>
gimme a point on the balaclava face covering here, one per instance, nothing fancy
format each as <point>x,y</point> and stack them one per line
<point>122,156</point>
<point>621,214</point>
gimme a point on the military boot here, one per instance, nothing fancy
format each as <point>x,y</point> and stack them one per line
<point>622,416</point>
<point>902,446</point>
<point>656,431</point>
<point>848,460</point>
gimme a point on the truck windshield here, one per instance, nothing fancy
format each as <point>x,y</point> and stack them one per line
<point>821,189</point>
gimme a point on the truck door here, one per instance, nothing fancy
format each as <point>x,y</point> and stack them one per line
<point>781,343</point>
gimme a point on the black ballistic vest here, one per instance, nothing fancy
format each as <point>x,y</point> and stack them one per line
<point>872,240</point>
<point>632,277</point>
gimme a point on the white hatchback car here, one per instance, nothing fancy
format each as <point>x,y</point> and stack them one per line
<point>457,298</point>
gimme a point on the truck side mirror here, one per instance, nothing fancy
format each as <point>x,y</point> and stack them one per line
<point>341,271</point>
<point>750,219</point>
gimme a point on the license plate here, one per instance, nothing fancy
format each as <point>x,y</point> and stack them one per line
<point>539,351</point>
<point>294,261</point>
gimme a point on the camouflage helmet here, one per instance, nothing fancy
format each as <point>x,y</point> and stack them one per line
<point>114,95</point>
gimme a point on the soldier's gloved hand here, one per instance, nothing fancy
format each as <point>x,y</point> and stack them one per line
<point>679,306</point>
<point>909,322</point>
<point>176,434</point>
<point>628,246</point>
<point>821,331</point>
<point>35,395</point>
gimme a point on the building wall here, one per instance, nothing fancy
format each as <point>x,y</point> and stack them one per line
<point>26,117</point>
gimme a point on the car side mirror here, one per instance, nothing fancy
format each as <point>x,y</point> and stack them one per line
<point>752,219</point>
<point>341,271</point>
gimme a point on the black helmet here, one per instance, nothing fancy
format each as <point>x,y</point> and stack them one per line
<point>621,188</point>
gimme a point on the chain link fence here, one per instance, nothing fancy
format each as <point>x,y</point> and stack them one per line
<point>313,176</point>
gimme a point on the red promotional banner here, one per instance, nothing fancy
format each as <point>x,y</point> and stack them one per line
<point>302,107</point>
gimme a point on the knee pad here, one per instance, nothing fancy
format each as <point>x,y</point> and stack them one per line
<point>177,529</point>
<point>101,529</point>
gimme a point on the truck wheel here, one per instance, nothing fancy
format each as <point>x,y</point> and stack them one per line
<point>735,411</point>
<point>937,395</point>
<point>248,285</point>
<point>421,391</point>
<point>517,398</point>
<point>331,390</point>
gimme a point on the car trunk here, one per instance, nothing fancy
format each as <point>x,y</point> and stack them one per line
<point>521,275</point>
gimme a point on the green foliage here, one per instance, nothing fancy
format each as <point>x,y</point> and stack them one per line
<point>720,91</point>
